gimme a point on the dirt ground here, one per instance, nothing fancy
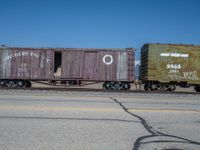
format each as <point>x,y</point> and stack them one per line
<point>92,85</point>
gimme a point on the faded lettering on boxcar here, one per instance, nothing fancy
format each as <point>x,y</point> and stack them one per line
<point>191,75</point>
<point>19,54</point>
<point>173,66</point>
<point>174,55</point>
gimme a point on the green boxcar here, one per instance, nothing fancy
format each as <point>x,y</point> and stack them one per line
<point>170,64</point>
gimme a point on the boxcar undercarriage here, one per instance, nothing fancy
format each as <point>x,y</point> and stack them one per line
<point>15,83</point>
<point>107,85</point>
<point>155,85</point>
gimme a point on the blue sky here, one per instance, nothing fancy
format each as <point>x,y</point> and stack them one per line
<point>98,23</point>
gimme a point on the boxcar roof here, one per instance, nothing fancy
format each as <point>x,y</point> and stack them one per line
<point>61,49</point>
<point>171,44</point>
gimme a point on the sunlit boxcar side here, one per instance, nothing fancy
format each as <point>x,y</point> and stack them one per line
<point>26,63</point>
<point>106,65</point>
<point>170,63</point>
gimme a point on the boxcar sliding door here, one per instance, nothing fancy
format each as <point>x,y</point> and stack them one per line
<point>91,65</point>
<point>72,64</point>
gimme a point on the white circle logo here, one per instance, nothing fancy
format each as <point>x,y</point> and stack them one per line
<point>107,59</point>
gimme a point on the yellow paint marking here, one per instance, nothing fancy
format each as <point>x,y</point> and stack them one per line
<point>51,108</point>
<point>162,110</point>
<point>63,97</point>
<point>92,109</point>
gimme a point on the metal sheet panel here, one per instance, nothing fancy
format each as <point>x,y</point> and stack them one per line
<point>122,67</point>
<point>131,65</point>
<point>169,62</point>
<point>5,62</point>
<point>125,69</point>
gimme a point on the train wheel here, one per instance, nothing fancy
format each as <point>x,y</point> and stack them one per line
<point>116,86</point>
<point>119,86</point>
<point>11,84</point>
<point>129,86</point>
<point>172,88</point>
<point>63,82</point>
<point>72,82</point>
<point>21,83</point>
<point>28,84</point>
<point>197,88</point>
<point>154,87</point>
<point>3,83</point>
<point>147,87</point>
<point>15,83</point>
<point>106,85</point>
<point>112,86</point>
<point>126,86</point>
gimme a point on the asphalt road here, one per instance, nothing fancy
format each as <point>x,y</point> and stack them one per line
<point>80,122</point>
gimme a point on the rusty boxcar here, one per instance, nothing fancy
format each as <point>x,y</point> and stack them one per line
<point>20,65</point>
<point>114,67</point>
<point>165,65</point>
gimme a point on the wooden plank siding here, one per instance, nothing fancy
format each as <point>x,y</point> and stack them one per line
<point>21,63</point>
<point>97,65</point>
<point>72,64</point>
<point>76,64</point>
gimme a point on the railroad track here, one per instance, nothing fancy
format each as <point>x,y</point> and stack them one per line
<point>97,90</point>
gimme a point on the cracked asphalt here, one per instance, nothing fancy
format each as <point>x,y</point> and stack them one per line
<point>30,121</point>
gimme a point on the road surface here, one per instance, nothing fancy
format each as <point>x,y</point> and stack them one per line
<point>105,122</point>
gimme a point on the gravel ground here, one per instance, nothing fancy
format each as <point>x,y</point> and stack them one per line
<point>101,94</point>
<point>92,85</point>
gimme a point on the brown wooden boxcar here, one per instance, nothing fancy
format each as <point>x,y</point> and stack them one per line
<point>20,65</point>
<point>114,67</point>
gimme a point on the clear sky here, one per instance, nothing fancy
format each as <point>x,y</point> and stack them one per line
<point>98,23</point>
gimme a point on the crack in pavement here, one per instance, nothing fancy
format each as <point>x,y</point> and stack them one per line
<point>143,121</point>
<point>150,129</point>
